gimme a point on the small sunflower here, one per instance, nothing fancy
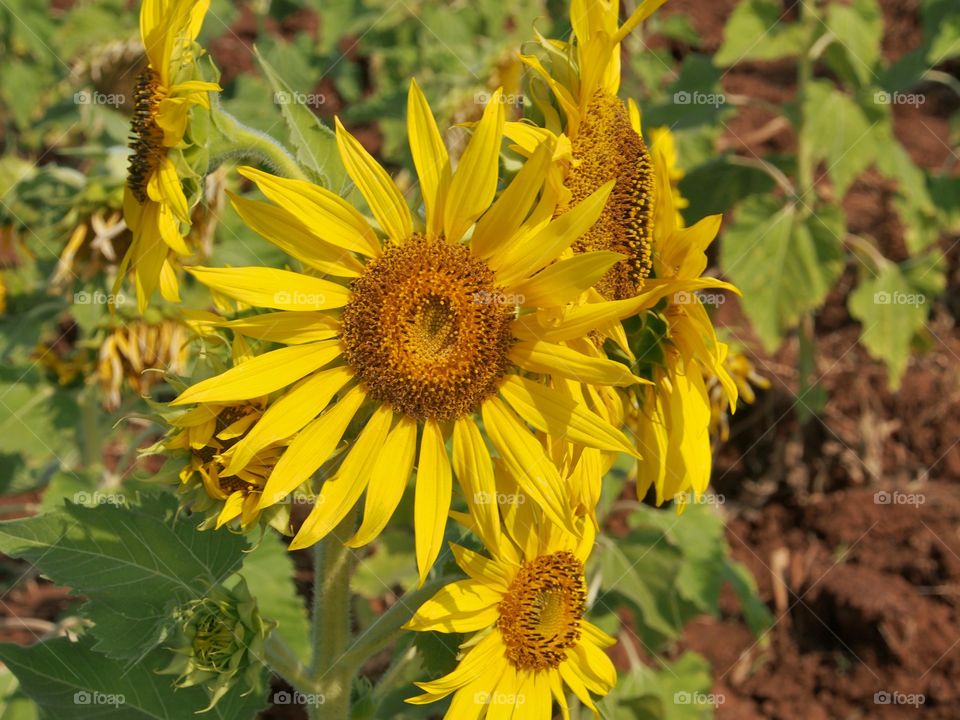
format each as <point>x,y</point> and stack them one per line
<point>155,206</point>
<point>524,606</point>
<point>140,353</point>
<point>427,333</point>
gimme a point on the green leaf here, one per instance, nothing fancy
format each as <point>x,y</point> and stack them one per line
<point>392,564</point>
<point>755,612</point>
<point>316,144</point>
<point>680,690</point>
<point>839,133</point>
<point>755,31</point>
<point>70,680</point>
<point>784,266</point>
<point>14,705</point>
<point>269,570</point>
<point>942,29</point>
<point>891,311</point>
<point>858,28</point>
<point>716,186</point>
<point>122,557</point>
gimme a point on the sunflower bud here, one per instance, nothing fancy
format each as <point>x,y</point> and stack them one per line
<point>219,642</point>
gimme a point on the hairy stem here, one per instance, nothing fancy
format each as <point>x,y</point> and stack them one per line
<point>236,140</point>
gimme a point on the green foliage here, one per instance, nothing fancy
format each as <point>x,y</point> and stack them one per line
<point>755,31</point>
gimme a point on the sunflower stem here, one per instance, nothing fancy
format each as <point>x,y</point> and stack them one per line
<point>332,678</point>
<point>236,140</point>
<point>282,660</point>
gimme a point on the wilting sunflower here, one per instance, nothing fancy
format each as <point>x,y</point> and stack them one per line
<point>746,377</point>
<point>140,353</point>
<point>425,335</point>
<point>207,433</point>
<point>604,137</point>
<point>155,206</point>
<point>525,606</point>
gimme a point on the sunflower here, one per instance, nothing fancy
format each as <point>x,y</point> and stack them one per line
<point>154,205</point>
<point>524,607</point>
<point>140,353</point>
<point>746,377</point>
<point>427,332</point>
<point>605,143</point>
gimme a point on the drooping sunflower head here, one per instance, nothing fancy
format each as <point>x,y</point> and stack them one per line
<point>139,354</point>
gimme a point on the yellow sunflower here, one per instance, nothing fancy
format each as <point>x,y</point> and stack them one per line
<point>427,332</point>
<point>140,354</point>
<point>155,207</point>
<point>603,138</point>
<point>524,607</point>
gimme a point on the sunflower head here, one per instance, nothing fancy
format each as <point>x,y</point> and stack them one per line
<point>139,354</point>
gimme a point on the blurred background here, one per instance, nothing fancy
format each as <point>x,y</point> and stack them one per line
<point>828,135</point>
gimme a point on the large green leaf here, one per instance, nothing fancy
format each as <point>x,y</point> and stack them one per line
<point>678,690</point>
<point>891,310</point>
<point>70,680</point>
<point>858,28</point>
<point>784,265</point>
<point>316,144</point>
<point>124,558</point>
<point>756,31</point>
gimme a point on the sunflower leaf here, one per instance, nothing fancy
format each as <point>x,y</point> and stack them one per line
<point>756,31</point>
<point>121,557</point>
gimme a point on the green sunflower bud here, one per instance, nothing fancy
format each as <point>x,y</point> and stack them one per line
<point>219,642</point>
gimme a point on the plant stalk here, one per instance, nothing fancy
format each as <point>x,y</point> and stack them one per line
<point>236,140</point>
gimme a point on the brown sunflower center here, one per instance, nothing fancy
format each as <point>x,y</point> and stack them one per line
<point>606,148</point>
<point>541,611</point>
<point>146,137</point>
<point>425,331</point>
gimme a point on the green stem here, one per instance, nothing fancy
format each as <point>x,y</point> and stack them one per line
<point>388,626</point>
<point>805,150</point>
<point>90,450</point>
<point>237,140</point>
<point>332,568</point>
<point>282,660</point>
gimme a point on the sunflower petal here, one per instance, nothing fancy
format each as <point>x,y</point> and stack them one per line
<point>164,187</point>
<point>261,375</point>
<point>563,361</point>
<point>474,183</point>
<point>341,492</point>
<point>388,480</point>
<point>462,606</point>
<point>430,157</point>
<point>288,327</point>
<point>565,280</point>
<point>326,215</point>
<point>474,470</point>
<point>311,448</point>
<point>271,288</point>
<point>385,200</point>
<point>432,497</point>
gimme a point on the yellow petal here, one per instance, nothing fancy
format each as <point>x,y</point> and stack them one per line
<point>289,414</point>
<point>164,187</point>
<point>528,464</point>
<point>287,327</point>
<point>431,498</point>
<point>430,157</point>
<point>474,183</point>
<point>474,470</point>
<point>294,238</point>
<point>562,361</point>
<point>169,287</point>
<point>232,508</point>
<point>272,288</point>
<point>172,116</point>
<point>478,662</point>
<point>311,448</point>
<point>262,375</point>
<point>462,606</point>
<point>169,228</point>
<point>498,226</point>
<point>382,196</point>
<point>326,215</point>
<point>550,412</point>
<point>565,280</point>
<point>388,480</point>
<point>341,492</point>
<point>481,568</point>
<point>644,10</point>
<point>524,259</point>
